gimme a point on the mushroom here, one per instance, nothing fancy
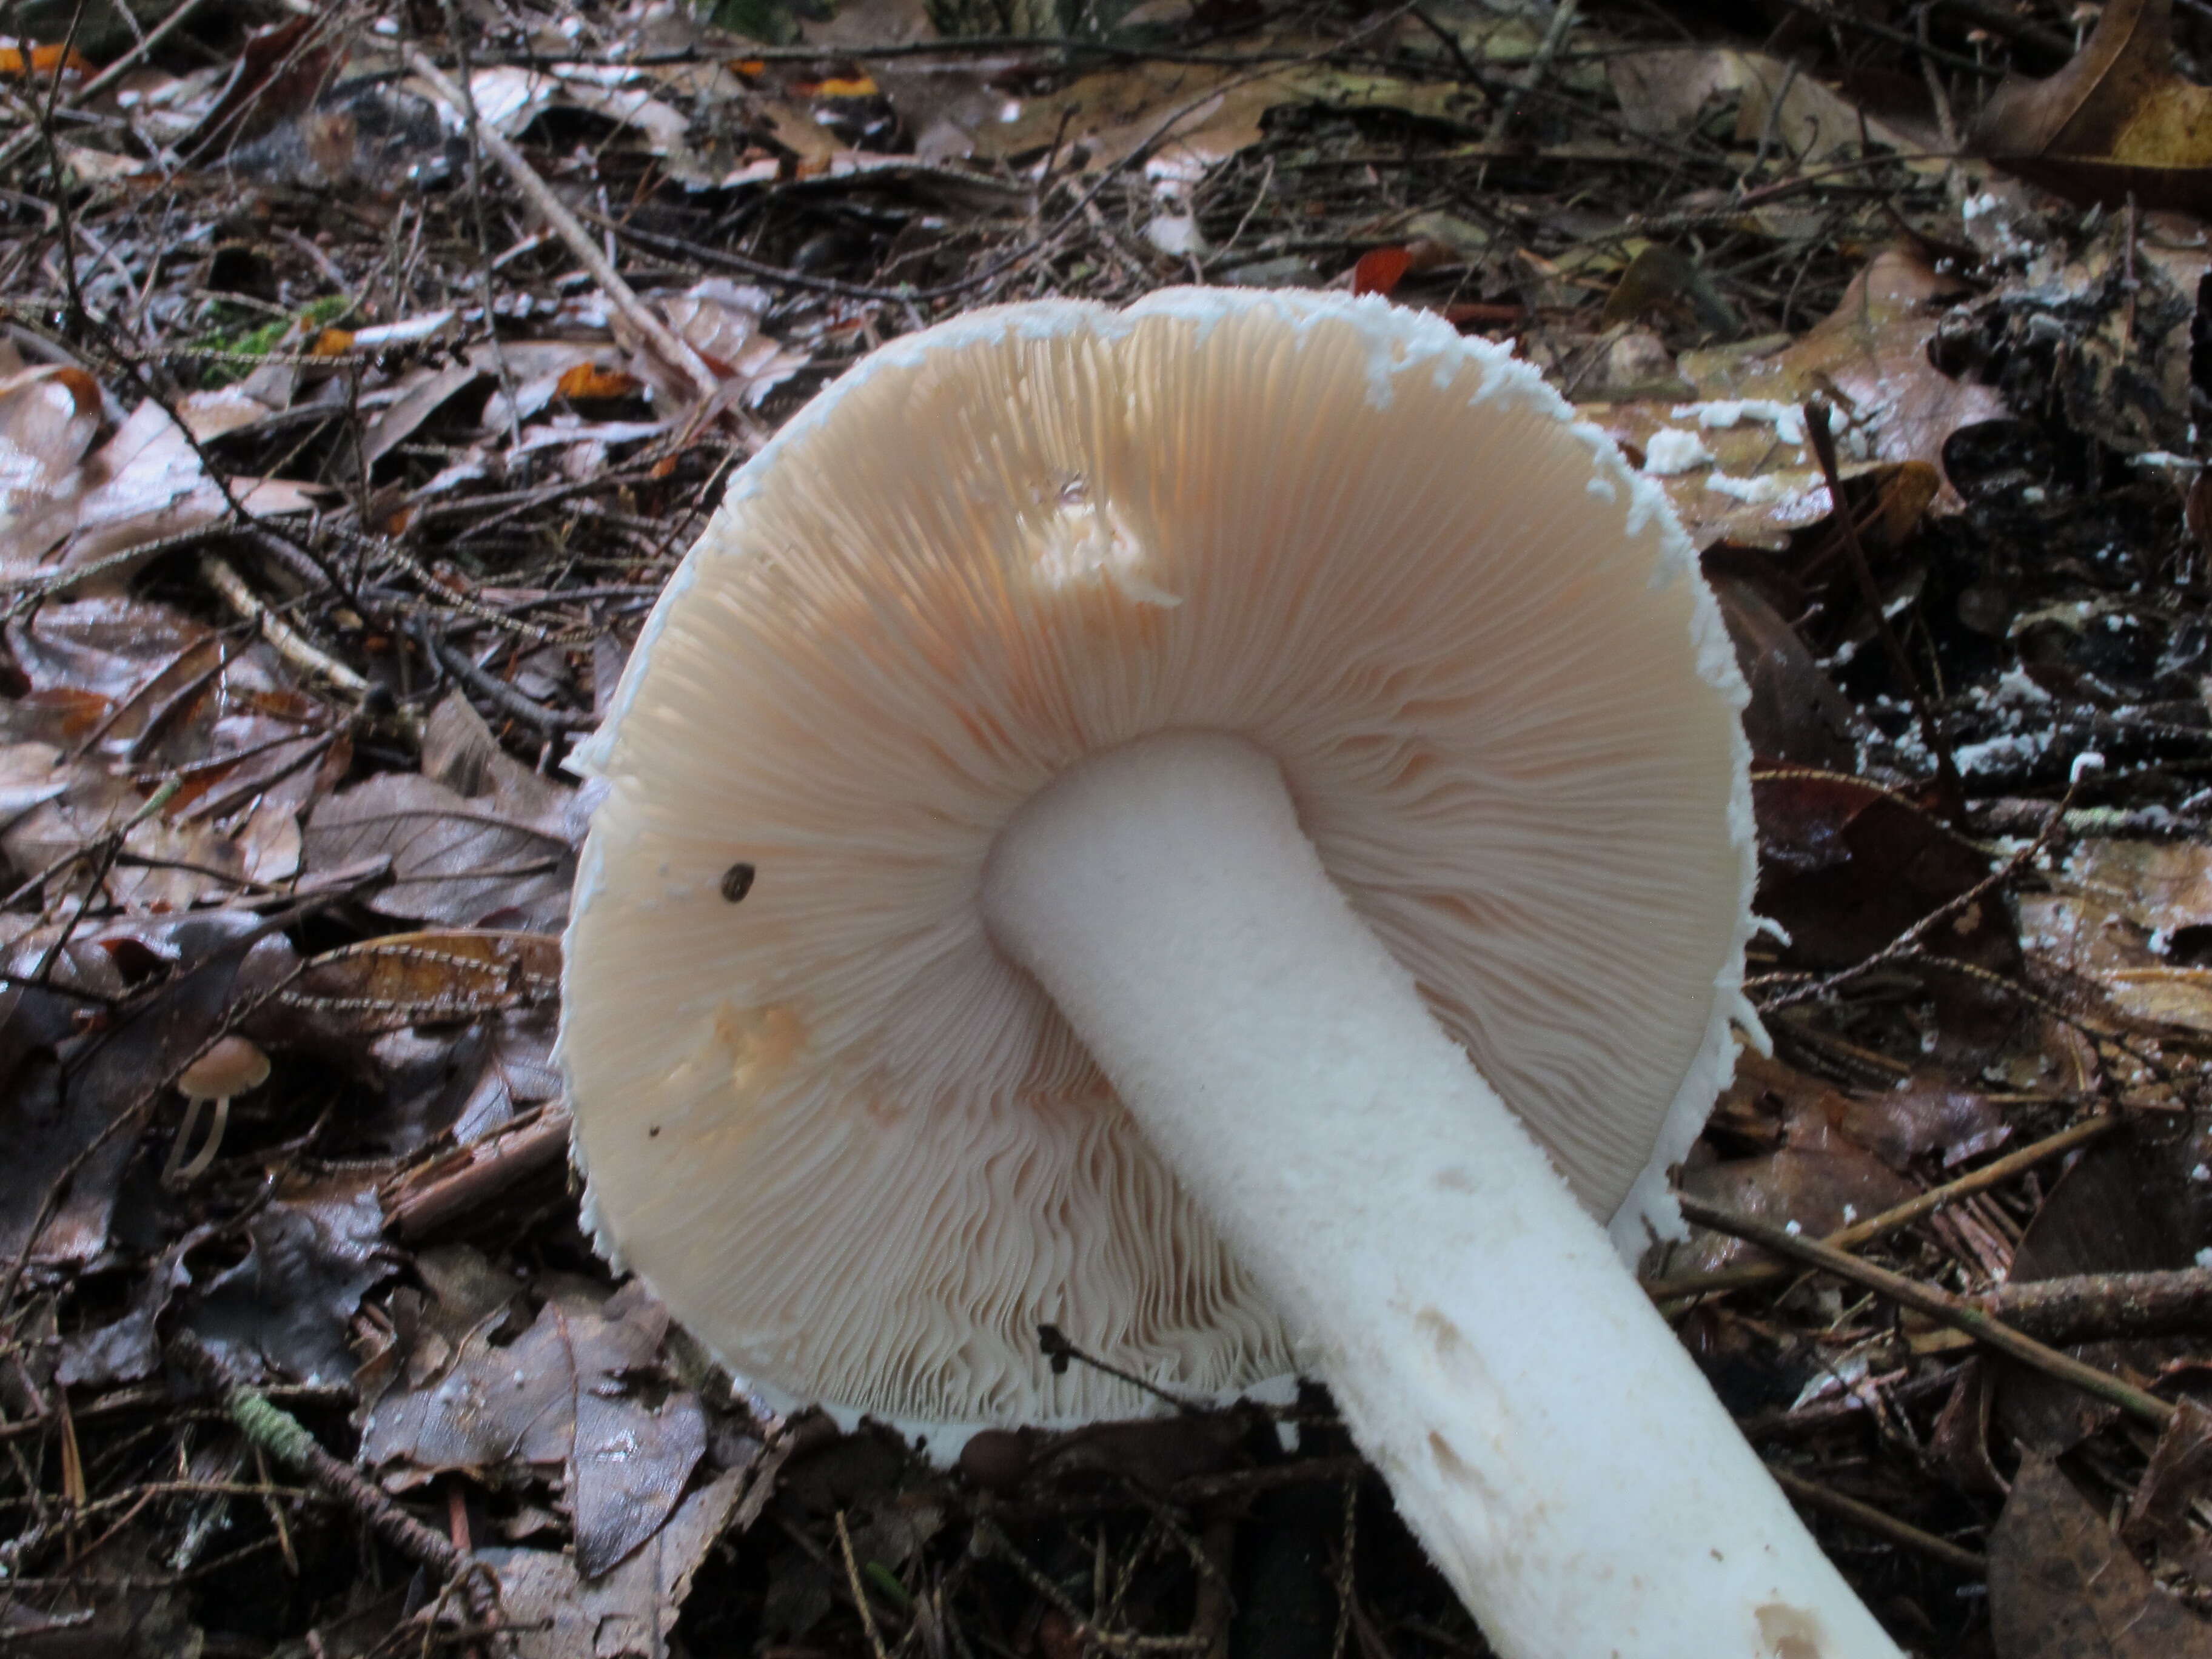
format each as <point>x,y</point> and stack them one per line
<point>231,1065</point>
<point>1220,827</point>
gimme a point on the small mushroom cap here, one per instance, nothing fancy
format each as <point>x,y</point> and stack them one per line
<point>854,1148</point>
<point>233,1067</point>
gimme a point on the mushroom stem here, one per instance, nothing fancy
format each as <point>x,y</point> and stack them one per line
<point>1545,1435</point>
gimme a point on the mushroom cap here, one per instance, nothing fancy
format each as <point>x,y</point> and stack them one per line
<point>233,1067</point>
<point>856,1150</point>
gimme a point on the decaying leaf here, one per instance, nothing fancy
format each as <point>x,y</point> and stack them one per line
<point>428,978</point>
<point>145,483</point>
<point>2062,1587</point>
<point>2117,321</point>
<point>1819,1178</point>
<point>1665,91</point>
<point>1194,115</point>
<point>2178,1476</point>
<point>557,1613</point>
<point>315,1253</point>
<point>2118,122</point>
<point>556,1396</point>
<point>1845,868</point>
<point>1734,459</point>
<point>2123,1208</point>
<point>1796,714</point>
<point>474,836</point>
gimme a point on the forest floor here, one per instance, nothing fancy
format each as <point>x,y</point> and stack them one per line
<point>367,371</point>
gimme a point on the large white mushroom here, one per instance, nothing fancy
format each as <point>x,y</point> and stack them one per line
<point>1186,824</point>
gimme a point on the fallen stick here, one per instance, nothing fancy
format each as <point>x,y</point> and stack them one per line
<point>1882,1524</point>
<point>284,1437</point>
<point>1952,1310</point>
<point>671,347</point>
<point>1888,1221</point>
<point>2096,1307</point>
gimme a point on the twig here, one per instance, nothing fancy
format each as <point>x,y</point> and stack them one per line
<point>293,646</point>
<point>495,691</point>
<point>285,1438</point>
<point>2094,1307</point>
<point>1938,1304</point>
<point>463,1182</point>
<point>1815,1496</point>
<point>1947,772</point>
<point>1888,1221</point>
<point>1059,1351</point>
<point>860,1591</point>
<point>672,349</point>
<point>1540,66</point>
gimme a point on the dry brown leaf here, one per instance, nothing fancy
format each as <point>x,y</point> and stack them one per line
<point>1869,358</point>
<point>145,483</point>
<point>556,1396</point>
<point>1664,92</point>
<point>2062,1587</point>
<point>1733,458</point>
<point>554,1613</point>
<point>429,978</point>
<point>1195,115</point>
<point>454,860</point>
<point>2116,124</point>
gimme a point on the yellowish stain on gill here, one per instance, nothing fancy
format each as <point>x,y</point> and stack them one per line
<point>1440,1331</point>
<point>761,1041</point>
<point>1788,1633</point>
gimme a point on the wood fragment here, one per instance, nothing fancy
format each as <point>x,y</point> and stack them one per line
<point>1939,1304</point>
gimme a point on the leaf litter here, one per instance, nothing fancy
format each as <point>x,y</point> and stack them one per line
<point>362,384</point>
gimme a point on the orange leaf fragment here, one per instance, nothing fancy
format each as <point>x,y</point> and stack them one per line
<point>589,380</point>
<point>331,343</point>
<point>45,60</point>
<point>1380,270</point>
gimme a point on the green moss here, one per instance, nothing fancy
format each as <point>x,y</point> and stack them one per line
<point>237,330</point>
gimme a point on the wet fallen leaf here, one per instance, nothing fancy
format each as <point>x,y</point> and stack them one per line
<point>631,1613</point>
<point>2062,1587</point>
<point>1821,1185</point>
<point>2118,124</point>
<point>76,1098</point>
<point>452,860</point>
<point>1845,868</point>
<point>1796,714</point>
<point>2123,1208</point>
<point>1195,116</point>
<point>315,1252</point>
<point>556,1396</point>
<point>2178,1476</point>
<point>145,483</point>
<point>1733,458</point>
<point>1869,359</point>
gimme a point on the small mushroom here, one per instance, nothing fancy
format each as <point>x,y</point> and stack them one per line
<point>1253,859</point>
<point>232,1067</point>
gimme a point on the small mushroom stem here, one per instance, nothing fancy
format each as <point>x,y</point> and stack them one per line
<point>1545,1434</point>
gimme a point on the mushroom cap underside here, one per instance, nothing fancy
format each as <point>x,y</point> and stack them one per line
<point>856,1150</point>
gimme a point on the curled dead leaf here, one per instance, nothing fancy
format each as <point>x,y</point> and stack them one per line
<point>2116,123</point>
